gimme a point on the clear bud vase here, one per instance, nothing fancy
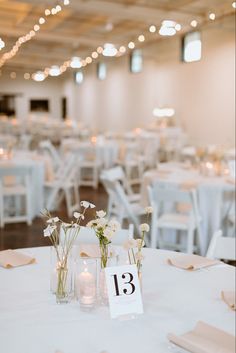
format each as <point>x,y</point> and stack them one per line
<point>110,260</point>
<point>61,279</point>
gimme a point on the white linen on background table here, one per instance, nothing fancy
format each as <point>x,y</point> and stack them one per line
<point>37,180</point>
<point>212,203</point>
<point>174,300</point>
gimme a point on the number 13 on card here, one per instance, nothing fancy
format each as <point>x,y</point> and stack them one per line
<point>123,290</point>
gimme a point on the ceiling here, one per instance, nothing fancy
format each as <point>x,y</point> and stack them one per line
<point>84,25</point>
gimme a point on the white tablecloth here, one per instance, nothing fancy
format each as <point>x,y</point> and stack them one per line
<point>174,300</point>
<point>215,194</point>
<point>37,180</point>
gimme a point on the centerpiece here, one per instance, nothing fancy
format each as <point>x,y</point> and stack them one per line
<point>62,236</point>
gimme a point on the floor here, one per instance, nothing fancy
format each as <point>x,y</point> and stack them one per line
<point>19,235</point>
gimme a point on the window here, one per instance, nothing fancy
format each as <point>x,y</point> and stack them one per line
<point>192,47</point>
<point>79,77</point>
<point>39,105</point>
<point>136,61</point>
<point>101,71</point>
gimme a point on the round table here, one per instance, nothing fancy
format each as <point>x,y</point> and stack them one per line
<point>174,300</point>
<point>215,194</point>
<point>37,165</point>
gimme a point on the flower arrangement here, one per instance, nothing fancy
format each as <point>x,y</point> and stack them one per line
<point>135,246</point>
<point>64,244</point>
<point>104,231</point>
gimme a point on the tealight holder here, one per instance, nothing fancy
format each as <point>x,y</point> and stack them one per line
<point>86,282</point>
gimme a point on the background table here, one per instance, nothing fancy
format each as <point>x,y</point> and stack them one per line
<point>26,160</point>
<point>215,194</point>
<point>174,300</point>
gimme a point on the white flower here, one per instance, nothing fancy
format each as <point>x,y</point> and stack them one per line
<point>129,244</point>
<point>144,227</point>
<point>139,256</point>
<point>101,214</point>
<point>87,204</point>
<point>101,222</point>
<point>91,224</point>
<point>47,232</point>
<point>108,233</point>
<point>114,225</point>
<point>53,220</point>
<point>148,210</point>
<point>66,225</point>
<point>78,215</point>
<point>140,243</point>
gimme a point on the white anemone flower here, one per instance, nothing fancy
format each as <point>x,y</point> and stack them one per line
<point>47,232</point>
<point>66,225</point>
<point>101,214</point>
<point>87,204</point>
<point>78,215</point>
<point>144,227</point>
<point>114,225</point>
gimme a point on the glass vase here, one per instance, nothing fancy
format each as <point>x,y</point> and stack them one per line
<point>61,279</point>
<point>111,260</point>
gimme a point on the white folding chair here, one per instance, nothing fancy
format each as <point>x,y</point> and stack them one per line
<point>47,147</point>
<point>24,142</point>
<point>222,248</point>
<point>117,174</point>
<point>66,183</point>
<point>15,186</point>
<point>133,163</point>
<point>122,208</point>
<point>90,165</point>
<point>162,219</point>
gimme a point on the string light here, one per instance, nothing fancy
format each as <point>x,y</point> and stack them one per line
<point>168,28</point>
<point>212,16</point>
<point>152,29</point>
<point>131,45</point>
<point>28,36</point>
<point>141,38</point>
<point>194,23</point>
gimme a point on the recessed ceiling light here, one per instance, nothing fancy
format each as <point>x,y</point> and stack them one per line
<point>141,38</point>
<point>109,50</point>
<point>234,4</point>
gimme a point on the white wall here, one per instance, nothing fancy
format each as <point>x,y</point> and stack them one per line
<point>50,89</point>
<point>202,93</point>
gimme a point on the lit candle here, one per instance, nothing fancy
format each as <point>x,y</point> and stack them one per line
<point>86,288</point>
<point>94,140</point>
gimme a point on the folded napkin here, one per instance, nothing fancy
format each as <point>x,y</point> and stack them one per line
<point>89,250</point>
<point>229,298</point>
<point>189,185</point>
<point>191,262</point>
<point>231,181</point>
<point>205,339</point>
<point>11,258</point>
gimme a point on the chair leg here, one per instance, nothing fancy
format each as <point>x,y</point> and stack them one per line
<point>190,239</point>
<point>154,232</point>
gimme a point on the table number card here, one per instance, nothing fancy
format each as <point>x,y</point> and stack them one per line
<point>123,289</point>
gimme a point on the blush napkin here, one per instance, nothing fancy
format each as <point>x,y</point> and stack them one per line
<point>229,298</point>
<point>205,339</point>
<point>11,258</point>
<point>191,262</point>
